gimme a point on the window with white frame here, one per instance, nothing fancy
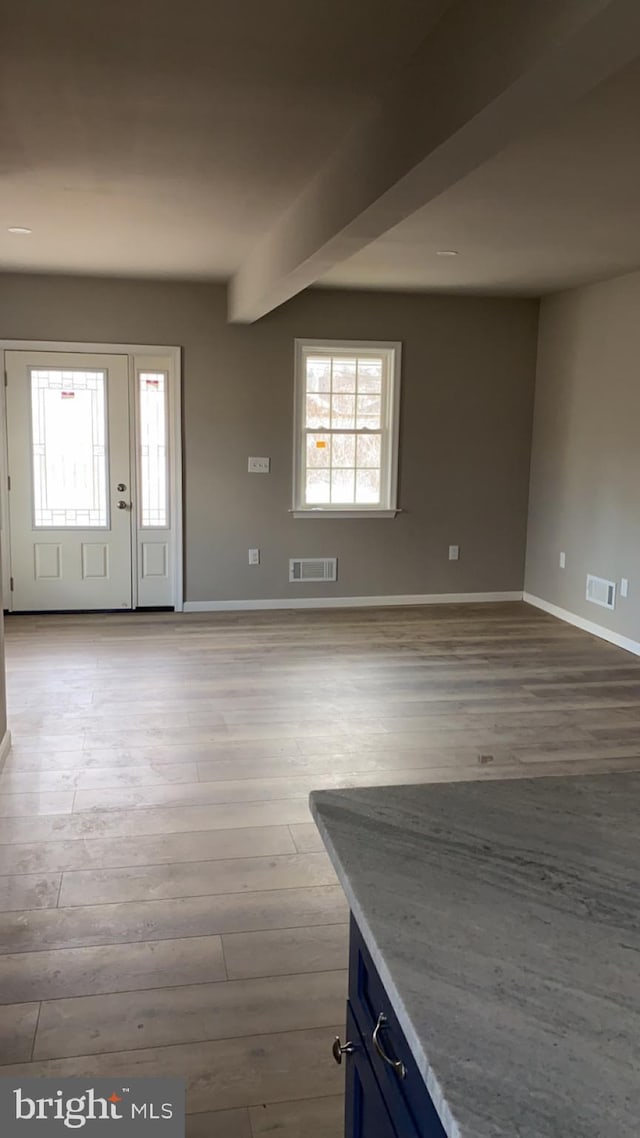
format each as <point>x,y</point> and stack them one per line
<point>347,397</point>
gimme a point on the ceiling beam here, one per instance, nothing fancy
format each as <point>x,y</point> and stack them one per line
<point>490,71</point>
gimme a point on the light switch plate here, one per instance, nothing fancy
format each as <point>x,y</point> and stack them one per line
<point>563,560</point>
<point>624,587</point>
<point>254,556</point>
<point>454,552</point>
<point>259,465</point>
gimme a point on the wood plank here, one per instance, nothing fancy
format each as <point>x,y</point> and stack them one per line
<point>221,1074</point>
<point>110,968</point>
<point>35,929</point>
<point>281,952</point>
<point>156,849</point>
<point>196,878</point>
<point>126,1021</point>
<point>169,820</point>
<point>17,1030</point>
<point>225,1123</point>
<point>29,891</point>
<point>313,1118</point>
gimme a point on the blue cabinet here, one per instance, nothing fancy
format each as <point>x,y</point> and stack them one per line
<point>386,1094</point>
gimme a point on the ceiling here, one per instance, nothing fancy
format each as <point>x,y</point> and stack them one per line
<point>156,138</point>
<point>164,140</point>
<point>558,208</point>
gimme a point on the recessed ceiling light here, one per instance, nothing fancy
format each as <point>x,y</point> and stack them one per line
<point>21,230</point>
<point>446,253</point>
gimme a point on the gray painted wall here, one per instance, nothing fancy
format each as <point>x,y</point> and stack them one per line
<point>467,393</point>
<point>585,471</point>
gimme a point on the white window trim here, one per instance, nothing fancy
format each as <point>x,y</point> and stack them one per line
<point>391,432</point>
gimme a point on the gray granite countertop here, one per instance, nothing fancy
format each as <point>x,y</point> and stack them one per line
<point>504,919</point>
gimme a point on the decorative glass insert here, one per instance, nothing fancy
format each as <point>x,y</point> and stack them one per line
<point>69,428</point>
<point>343,427</point>
<point>152,390</point>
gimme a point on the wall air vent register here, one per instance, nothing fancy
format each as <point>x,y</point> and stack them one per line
<point>313,569</point>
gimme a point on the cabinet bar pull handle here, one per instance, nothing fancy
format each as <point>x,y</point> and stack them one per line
<point>397,1064</point>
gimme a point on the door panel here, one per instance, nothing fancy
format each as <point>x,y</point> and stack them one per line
<point>68,435</point>
<point>366,1114</point>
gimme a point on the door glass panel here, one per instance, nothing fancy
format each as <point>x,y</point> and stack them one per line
<point>154,509</point>
<point>68,422</point>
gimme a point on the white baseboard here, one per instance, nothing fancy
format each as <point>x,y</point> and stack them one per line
<point>5,747</point>
<point>351,602</point>
<point>586,625</point>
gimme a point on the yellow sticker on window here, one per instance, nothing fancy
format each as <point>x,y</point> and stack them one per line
<point>320,443</point>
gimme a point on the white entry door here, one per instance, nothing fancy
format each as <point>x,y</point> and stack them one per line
<point>69,465</point>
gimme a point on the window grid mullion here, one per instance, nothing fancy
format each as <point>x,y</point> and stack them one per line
<point>343,430</point>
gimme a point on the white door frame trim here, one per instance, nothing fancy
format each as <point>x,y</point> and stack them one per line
<point>175,462</point>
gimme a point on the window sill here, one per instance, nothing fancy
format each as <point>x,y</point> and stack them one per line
<point>320,513</point>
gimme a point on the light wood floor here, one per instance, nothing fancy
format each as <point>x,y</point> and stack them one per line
<point>168,907</point>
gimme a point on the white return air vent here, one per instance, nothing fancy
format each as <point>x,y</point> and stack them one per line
<point>601,592</point>
<point>313,569</point>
